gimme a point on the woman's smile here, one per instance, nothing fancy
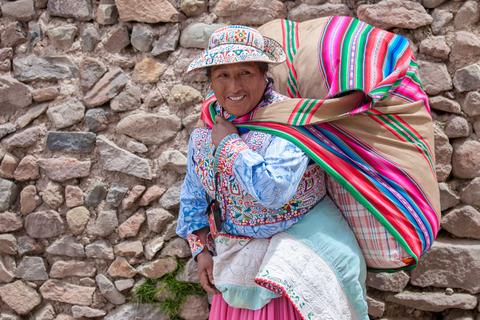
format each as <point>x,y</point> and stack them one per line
<point>239,87</point>
<point>237,98</point>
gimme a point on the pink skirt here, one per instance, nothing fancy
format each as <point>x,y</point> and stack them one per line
<point>277,309</point>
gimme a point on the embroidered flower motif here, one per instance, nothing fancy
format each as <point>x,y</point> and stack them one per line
<point>236,43</point>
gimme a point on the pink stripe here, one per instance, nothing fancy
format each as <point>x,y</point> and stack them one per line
<point>331,47</point>
<point>392,172</point>
<point>277,309</point>
<point>290,93</point>
<point>383,49</point>
<point>379,200</point>
<point>414,91</point>
<point>406,90</point>
<point>373,72</point>
<point>419,222</point>
<point>205,115</point>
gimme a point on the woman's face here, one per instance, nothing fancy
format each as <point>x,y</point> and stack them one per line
<point>238,87</point>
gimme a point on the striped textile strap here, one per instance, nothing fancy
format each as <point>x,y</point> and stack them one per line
<point>291,42</point>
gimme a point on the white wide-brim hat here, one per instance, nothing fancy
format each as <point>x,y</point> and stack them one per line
<point>234,44</point>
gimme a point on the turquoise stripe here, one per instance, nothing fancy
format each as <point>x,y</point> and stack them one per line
<point>353,191</point>
<point>374,181</point>
<point>352,155</point>
<point>395,50</point>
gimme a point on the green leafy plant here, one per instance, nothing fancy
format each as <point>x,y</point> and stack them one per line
<point>145,293</point>
<point>167,292</point>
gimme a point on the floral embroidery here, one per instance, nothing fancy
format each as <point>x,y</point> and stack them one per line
<point>238,207</point>
<point>241,207</point>
<point>255,141</point>
<point>236,43</point>
<point>229,153</point>
<point>244,210</point>
<point>204,159</point>
<point>196,245</point>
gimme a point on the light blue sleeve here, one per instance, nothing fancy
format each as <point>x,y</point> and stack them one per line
<point>274,178</point>
<point>193,201</point>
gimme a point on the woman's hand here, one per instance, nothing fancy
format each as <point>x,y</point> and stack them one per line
<point>221,129</point>
<point>205,271</point>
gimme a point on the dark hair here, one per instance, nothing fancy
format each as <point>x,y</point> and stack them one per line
<point>262,66</point>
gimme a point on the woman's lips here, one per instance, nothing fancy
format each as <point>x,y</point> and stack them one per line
<point>236,98</point>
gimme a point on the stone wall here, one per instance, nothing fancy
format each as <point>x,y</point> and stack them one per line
<point>95,113</point>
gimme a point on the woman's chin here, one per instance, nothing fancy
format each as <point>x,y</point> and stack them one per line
<point>237,109</point>
<point>237,113</point>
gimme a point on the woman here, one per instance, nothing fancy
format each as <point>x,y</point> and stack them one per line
<point>264,186</point>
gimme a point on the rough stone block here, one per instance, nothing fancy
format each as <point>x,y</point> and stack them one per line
<point>438,269</point>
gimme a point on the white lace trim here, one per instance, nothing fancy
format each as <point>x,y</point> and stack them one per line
<point>309,282</point>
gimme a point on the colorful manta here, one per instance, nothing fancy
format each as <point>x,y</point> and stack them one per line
<point>358,109</point>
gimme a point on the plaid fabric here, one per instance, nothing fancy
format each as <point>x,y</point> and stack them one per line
<point>379,247</point>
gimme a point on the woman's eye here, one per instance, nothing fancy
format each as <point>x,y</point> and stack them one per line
<point>221,76</point>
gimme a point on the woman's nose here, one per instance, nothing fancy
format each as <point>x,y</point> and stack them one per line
<point>234,85</point>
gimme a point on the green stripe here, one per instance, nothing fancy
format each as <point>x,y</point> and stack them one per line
<point>407,133</point>
<point>413,75</point>
<point>289,83</point>
<point>294,40</point>
<point>307,112</point>
<point>295,85</point>
<point>396,83</point>
<point>292,78</point>
<point>346,184</point>
<point>287,36</point>
<point>211,108</point>
<point>360,57</point>
<point>413,136</point>
<point>299,112</point>
<point>291,52</point>
<point>346,52</point>
<point>383,90</point>
<point>294,81</point>
<point>391,125</point>
<point>394,125</point>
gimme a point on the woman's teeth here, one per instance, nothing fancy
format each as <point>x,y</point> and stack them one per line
<point>236,98</point>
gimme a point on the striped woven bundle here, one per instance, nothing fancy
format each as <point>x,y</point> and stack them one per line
<point>358,110</point>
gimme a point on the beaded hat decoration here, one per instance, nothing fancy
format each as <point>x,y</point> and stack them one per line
<point>236,43</point>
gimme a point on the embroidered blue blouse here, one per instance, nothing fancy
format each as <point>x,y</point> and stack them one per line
<point>272,180</point>
<point>270,177</point>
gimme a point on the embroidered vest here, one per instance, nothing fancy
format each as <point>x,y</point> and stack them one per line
<point>237,205</point>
